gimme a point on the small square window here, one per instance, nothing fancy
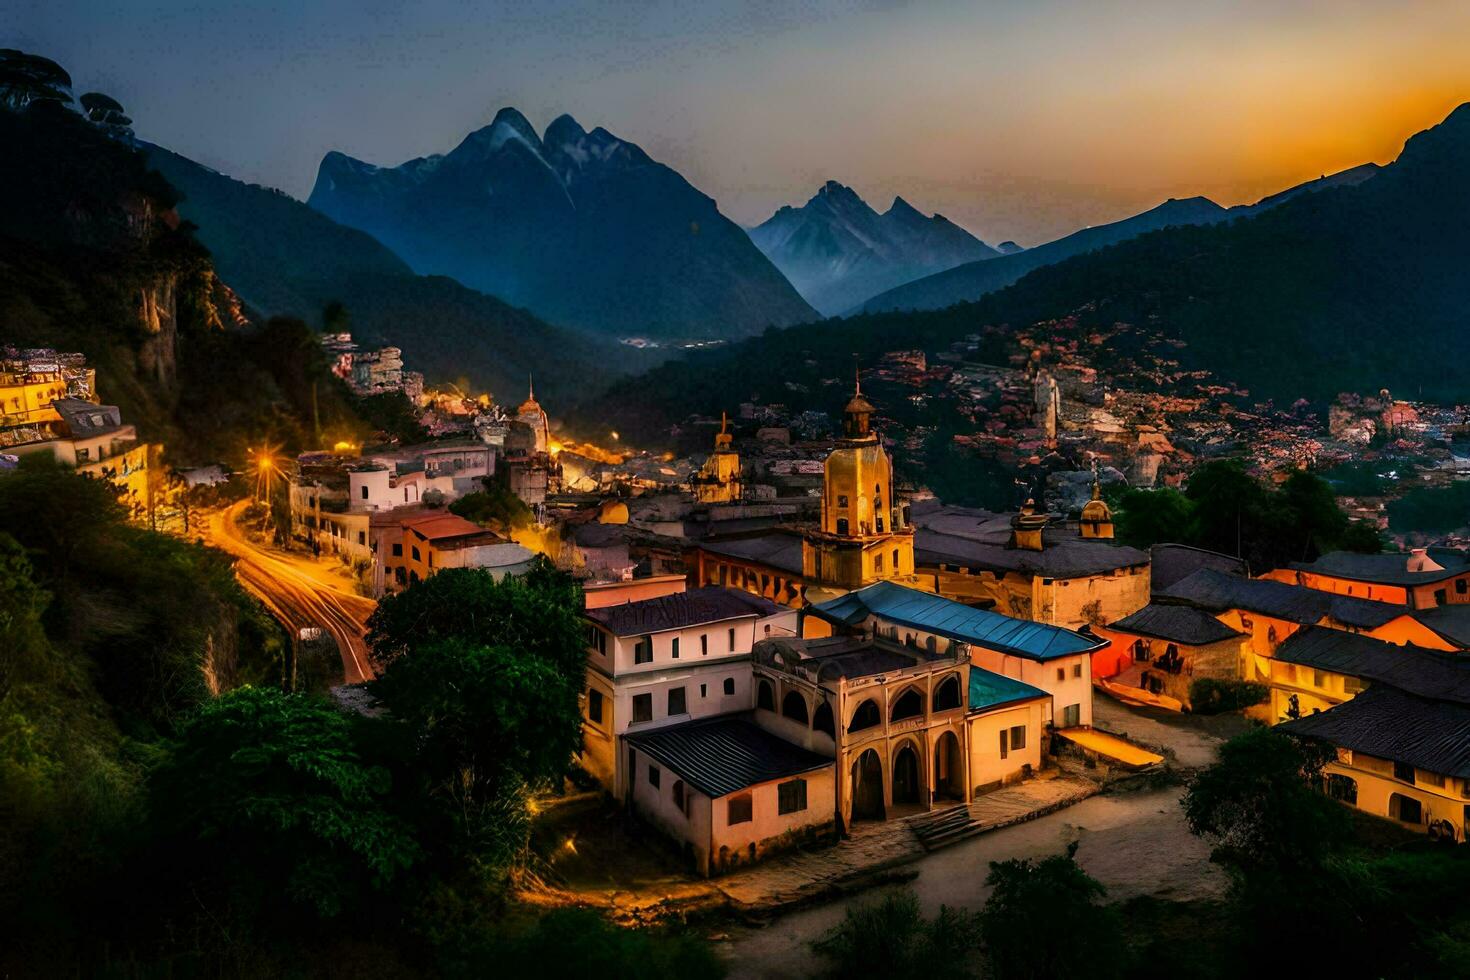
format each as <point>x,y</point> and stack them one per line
<point>1061,673</point>
<point>729,686</point>
<point>1018,737</point>
<point>653,775</point>
<point>594,706</point>
<point>738,809</point>
<point>1076,670</point>
<point>791,797</point>
<point>398,551</point>
<point>643,650</point>
<point>642,707</point>
<point>676,701</point>
<point>703,691</point>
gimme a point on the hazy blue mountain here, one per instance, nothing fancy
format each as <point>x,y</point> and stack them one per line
<point>973,280</point>
<point>582,228</point>
<point>837,251</point>
<point>283,257</point>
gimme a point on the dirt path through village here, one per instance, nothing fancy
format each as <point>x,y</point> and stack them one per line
<point>1134,843</point>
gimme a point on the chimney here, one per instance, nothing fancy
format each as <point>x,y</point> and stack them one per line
<point>1419,561</point>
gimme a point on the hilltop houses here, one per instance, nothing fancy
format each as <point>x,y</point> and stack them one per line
<point>48,404</point>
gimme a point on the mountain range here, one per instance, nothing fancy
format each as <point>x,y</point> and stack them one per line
<point>284,258</point>
<point>1355,282</point>
<point>974,279</point>
<point>584,229</point>
<point>837,251</point>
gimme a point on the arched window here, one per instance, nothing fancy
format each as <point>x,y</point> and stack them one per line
<point>822,720</point>
<point>793,706</point>
<point>908,705</point>
<point>931,643</point>
<point>866,716</point>
<point>947,694</point>
<point>764,698</point>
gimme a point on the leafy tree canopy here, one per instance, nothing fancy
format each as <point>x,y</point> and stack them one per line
<point>1030,900</point>
<point>268,791</point>
<point>1225,509</point>
<point>1259,806</point>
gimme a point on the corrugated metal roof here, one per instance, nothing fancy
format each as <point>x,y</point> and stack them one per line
<point>711,604</point>
<point>1178,624</point>
<point>1217,592</point>
<point>992,690</point>
<point>1392,724</point>
<point>1428,673</point>
<point>935,614</point>
<point>724,755</point>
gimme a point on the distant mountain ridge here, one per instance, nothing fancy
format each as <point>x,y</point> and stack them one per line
<point>838,251</point>
<point>283,257</point>
<point>1352,283</point>
<point>584,229</point>
<point>971,281</point>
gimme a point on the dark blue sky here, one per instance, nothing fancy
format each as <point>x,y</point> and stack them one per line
<point>1020,120</point>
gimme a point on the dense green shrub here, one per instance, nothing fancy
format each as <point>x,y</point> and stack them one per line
<point>1212,696</point>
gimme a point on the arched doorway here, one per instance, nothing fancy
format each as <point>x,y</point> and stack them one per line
<point>906,776</point>
<point>867,787</point>
<point>949,775</point>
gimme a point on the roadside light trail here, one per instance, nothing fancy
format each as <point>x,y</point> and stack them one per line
<point>297,592</point>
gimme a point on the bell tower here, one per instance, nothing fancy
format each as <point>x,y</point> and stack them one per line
<point>863,538</point>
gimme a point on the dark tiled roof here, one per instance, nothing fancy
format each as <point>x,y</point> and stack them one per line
<point>671,612</point>
<point>1177,624</point>
<point>991,690</point>
<point>945,617</point>
<point>1451,622</point>
<point>979,539</point>
<point>724,755</point>
<point>778,549</point>
<point>1389,569</point>
<point>1217,592</point>
<point>1392,724</point>
<point>845,656</point>
<point>1172,562</point>
<point>1428,673</point>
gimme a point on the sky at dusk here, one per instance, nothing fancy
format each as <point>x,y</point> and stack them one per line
<point>1018,120</point>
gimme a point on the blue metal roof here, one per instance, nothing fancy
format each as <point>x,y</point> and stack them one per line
<point>903,606</point>
<point>991,690</point>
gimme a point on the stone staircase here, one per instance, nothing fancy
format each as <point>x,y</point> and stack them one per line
<point>1002,808</point>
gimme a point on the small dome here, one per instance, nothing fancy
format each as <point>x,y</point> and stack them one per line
<point>1097,509</point>
<point>859,404</point>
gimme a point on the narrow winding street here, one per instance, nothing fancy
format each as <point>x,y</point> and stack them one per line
<point>297,591</point>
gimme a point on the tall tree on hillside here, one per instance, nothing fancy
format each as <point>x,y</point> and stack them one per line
<point>107,113</point>
<point>27,78</point>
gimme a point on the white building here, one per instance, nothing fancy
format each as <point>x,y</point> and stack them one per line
<point>666,660</point>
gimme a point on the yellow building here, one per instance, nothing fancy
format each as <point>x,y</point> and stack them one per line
<point>1398,716</point>
<point>718,480</point>
<point>1030,565</point>
<point>863,536</point>
<point>94,440</point>
<point>1269,612</point>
